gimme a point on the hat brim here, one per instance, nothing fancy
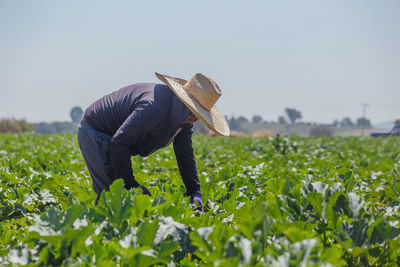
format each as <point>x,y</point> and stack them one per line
<point>212,119</point>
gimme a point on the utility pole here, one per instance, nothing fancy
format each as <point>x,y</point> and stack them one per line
<point>365,106</point>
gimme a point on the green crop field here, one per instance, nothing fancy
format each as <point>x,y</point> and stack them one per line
<point>268,202</point>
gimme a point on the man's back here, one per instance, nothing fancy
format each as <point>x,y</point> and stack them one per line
<point>109,112</point>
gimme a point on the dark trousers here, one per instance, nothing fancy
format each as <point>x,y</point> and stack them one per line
<point>94,146</point>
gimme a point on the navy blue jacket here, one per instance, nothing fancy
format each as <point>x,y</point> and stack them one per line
<point>142,118</point>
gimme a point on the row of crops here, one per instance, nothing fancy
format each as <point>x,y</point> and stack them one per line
<point>268,202</point>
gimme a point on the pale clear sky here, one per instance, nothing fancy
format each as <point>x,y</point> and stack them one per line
<point>322,57</point>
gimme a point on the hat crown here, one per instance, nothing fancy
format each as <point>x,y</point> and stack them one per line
<point>203,89</point>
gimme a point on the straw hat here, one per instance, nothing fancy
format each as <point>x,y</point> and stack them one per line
<point>199,94</point>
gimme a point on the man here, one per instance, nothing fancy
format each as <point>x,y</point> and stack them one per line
<point>142,118</point>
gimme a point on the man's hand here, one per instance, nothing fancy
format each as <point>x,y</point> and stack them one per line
<point>131,185</point>
<point>144,190</point>
<point>197,198</point>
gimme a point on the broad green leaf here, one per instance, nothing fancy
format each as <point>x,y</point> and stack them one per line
<point>167,248</point>
<point>116,204</point>
<point>147,232</point>
<point>333,255</point>
<point>141,204</point>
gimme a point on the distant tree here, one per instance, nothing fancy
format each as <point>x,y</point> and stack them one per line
<point>15,126</point>
<point>234,124</point>
<point>335,123</point>
<point>256,119</point>
<point>363,123</point>
<point>322,130</point>
<point>293,114</point>
<point>55,127</point>
<point>242,119</point>
<point>76,114</point>
<point>346,122</point>
<point>282,120</point>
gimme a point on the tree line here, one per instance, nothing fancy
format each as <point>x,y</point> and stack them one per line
<point>291,116</point>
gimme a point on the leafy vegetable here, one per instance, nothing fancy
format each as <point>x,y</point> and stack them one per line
<point>268,202</point>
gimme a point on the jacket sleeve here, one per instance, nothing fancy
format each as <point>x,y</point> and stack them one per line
<point>185,158</point>
<point>143,119</point>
